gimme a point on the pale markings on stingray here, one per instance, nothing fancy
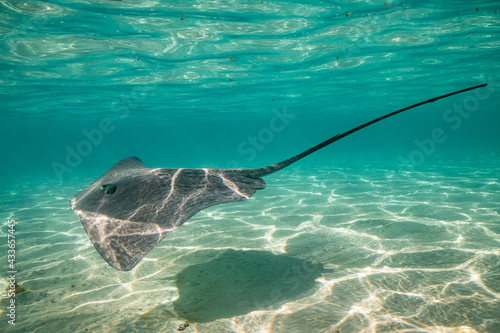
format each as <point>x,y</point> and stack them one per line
<point>232,186</point>
<point>172,184</point>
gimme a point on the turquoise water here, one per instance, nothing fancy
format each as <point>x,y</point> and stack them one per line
<point>393,229</point>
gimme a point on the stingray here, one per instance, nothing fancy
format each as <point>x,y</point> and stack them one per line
<point>131,208</point>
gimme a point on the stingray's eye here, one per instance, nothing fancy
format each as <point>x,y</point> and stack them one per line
<point>109,188</point>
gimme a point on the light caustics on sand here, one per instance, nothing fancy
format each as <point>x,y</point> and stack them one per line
<point>398,254</point>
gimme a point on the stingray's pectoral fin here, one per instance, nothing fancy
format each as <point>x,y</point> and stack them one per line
<point>131,208</point>
<point>121,243</point>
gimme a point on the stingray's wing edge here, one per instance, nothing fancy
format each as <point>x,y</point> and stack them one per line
<point>121,243</point>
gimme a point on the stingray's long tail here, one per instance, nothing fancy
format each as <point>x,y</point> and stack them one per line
<point>261,172</point>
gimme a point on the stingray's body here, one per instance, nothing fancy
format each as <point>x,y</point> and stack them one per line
<point>131,208</point>
<point>147,204</point>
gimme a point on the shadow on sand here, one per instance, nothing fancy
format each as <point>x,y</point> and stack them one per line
<point>239,282</point>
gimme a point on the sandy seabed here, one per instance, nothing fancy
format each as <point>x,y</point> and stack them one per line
<point>341,249</point>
